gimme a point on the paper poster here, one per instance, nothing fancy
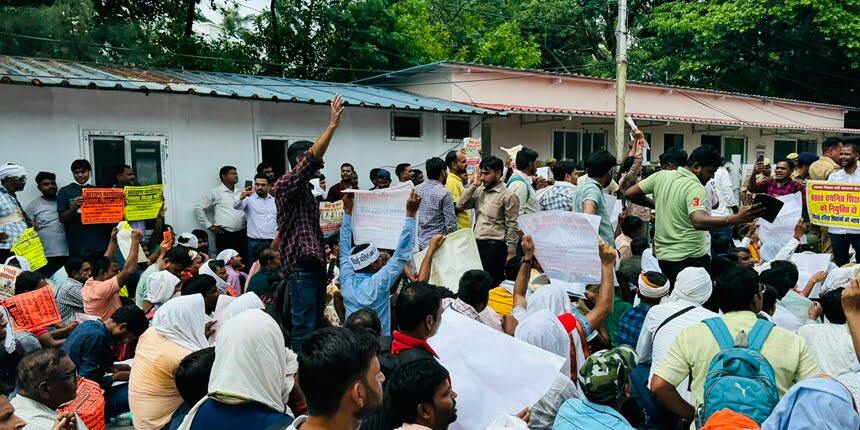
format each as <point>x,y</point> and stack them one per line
<point>833,204</point>
<point>615,206</point>
<point>8,274</point>
<point>378,216</point>
<point>123,242</point>
<point>544,172</point>
<point>143,202</point>
<point>457,255</point>
<point>331,217</point>
<point>565,244</point>
<point>102,206</point>
<point>808,265</point>
<point>777,234</point>
<point>472,148</point>
<point>797,305</point>
<point>89,404</point>
<point>29,246</point>
<point>519,376</point>
<point>33,310</point>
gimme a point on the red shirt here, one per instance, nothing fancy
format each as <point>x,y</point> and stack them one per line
<point>772,187</point>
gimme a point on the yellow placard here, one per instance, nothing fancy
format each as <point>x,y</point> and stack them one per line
<point>29,246</point>
<point>143,202</point>
<point>833,204</point>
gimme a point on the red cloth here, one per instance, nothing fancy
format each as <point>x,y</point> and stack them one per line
<point>401,342</point>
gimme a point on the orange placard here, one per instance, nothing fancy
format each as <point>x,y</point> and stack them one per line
<point>33,310</point>
<point>103,206</point>
<point>89,404</point>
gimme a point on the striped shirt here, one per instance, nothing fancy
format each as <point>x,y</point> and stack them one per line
<point>69,300</point>
<point>558,197</point>
<point>12,219</point>
<point>436,212</point>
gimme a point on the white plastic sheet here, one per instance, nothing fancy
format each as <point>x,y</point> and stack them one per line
<point>457,255</point>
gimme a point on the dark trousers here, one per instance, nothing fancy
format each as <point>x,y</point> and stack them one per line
<point>254,243</point>
<point>116,401</point>
<point>841,244</point>
<point>656,415</point>
<point>671,269</point>
<point>235,240</point>
<point>54,264</point>
<point>494,254</point>
<point>306,289</point>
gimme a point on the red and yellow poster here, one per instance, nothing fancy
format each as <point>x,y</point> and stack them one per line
<point>833,204</point>
<point>103,206</point>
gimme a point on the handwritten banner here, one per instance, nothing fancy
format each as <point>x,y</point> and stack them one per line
<point>102,206</point>
<point>457,255</point>
<point>565,245</point>
<point>89,404</point>
<point>143,202</point>
<point>472,149</point>
<point>29,246</point>
<point>833,204</point>
<point>33,310</point>
<point>378,216</point>
<point>8,274</point>
<point>331,217</point>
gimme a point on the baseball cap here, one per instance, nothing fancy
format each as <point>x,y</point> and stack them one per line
<point>605,373</point>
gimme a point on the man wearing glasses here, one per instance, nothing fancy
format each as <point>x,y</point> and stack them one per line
<point>13,221</point>
<point>47,379</point>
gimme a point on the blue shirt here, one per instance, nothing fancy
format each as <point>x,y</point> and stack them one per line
<point>213,415</point>
<point>589,189</point>
<point>630,325</point>
<point>580,414</point>
<point>371,290</point>
<point>89,347</point>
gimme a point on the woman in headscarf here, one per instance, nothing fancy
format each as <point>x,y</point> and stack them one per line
<point>543,330</point>
<point>251,379</point>
<point>241,304</point>
<point>235,277</point>
<point>178,329</point>
<point>817,403</point>
<point>217,269</point>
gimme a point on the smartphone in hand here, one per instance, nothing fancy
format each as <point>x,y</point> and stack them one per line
<point>248,184</point>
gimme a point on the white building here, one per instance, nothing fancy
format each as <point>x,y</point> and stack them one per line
<point>179,127</point>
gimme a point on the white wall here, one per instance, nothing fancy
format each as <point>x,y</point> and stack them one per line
<point>42,129</point>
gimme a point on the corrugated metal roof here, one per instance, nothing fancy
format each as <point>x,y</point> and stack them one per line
<point>532,72</point>
<point>538,110</point>
<point>62,73</point>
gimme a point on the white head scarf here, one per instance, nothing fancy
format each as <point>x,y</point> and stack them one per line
<point>9,342</point>
<point>187,240</point>
<point>693,284</point>
<point>22,262</point>
<point>648,288</point>
<point>226,255</point>
<point>649,262</point>
<point>549,297</point>
<point>837,278</point>
<point>543,330</point>
<point>161,286</point>
<point>183,320</point>
<point>243,303</point>
<point>220,284</point>
<point>10,169</point>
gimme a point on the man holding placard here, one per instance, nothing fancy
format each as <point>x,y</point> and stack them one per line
<point>843,238</point>
<point>496,212</point>
<point>81,238</point>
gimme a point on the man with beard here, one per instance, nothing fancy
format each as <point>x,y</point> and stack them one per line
<point>456,163</point>
<point>340,378</point>
<point>260,213</point>
<point>422,397</point>
<point>346,183</point>
<point>43,212</point>
<point>780,185</point>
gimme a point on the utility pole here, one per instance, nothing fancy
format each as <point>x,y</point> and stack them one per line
<point>620,79</point>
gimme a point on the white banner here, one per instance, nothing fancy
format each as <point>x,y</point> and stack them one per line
<point>123,242</point>
<point>457,255</point>
<point>565,245</point>
<point>492,373</point>
<point>378,216</point>
<point>777,234</point>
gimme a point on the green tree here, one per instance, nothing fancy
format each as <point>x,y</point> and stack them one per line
<point>506,46</point>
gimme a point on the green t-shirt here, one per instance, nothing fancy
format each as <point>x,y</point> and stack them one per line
<point>677,194</point>
<point>589,189</point>
<point>619,306</point>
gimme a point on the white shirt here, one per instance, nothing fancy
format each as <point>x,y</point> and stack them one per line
<point>832,347</point>
<point>221,199</point>
<point>655,348</point>
<point>261,214</point>
<point>51,231</point>
<point>524,192</point>
<point>843,176</point>
<point>725,192</point>
<point>298,422</point>
<point>37,415</point>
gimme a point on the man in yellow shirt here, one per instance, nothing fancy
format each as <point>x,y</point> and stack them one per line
<point>820,171</point>
<point>456,161</point>
<point>740,300</point>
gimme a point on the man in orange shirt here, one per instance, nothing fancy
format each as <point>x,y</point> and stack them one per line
<point>101,291</point>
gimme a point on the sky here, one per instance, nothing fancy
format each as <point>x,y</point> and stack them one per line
<point>246,7</point>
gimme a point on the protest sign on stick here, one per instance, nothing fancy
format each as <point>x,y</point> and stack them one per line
<point>565,245</point>
<point>89,404</point>
<point>504,388</point>
<point>833,204</point>
<point>8,274</point>
<point>33,310</point>
<point>457,255</point>
<point>378,216</point>
<point>331,218</point>
<point>103,206</point>
<point>143,202</point>
<point>29,246</point>
<point>777,234</point>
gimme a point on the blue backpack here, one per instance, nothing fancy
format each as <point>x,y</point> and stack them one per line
<point>739,377</point>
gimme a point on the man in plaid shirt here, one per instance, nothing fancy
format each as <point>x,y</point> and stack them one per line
<point>560,196</point>
<point>436,214</point>
<point>299,234</point>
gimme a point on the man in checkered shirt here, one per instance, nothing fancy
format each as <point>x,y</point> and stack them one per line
<point>560,196</point>
<point>13,221</point>
<point>436,213</point>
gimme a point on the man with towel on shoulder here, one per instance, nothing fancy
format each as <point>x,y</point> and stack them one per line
<point>13,220</point>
